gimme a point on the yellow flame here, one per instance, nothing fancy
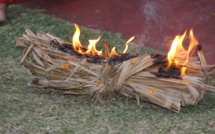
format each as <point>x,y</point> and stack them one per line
<point>126,45</point>
<point>192,45</point>
<point>183,70</point>
<point>177,48</point>
<point>75,40</point>
<point>92,47</point>
<point>113,52</point>
<point>176,62</point>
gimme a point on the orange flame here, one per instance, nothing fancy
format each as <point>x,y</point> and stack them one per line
<point>113,52</point>
<point>75,40</point>
<point>177,49</point>
<point>178,54</point>
<point>91,49</point>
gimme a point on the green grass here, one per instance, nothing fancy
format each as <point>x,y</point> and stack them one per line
<point>31,110</point>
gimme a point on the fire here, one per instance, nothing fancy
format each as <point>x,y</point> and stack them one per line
<point>75,40</point>
<point>177,49</point>
<point>193,44</point>
<point>126,47</point>
<point>183,70</point>
<point>91,48</point>
<point>113,52</point>
<point>178,55</point>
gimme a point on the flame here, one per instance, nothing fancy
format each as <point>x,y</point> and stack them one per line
<point>183,70</point>
<point>126,45</point>
<point>113,52</point>
<point>177,49</point>
<point>178,54</point>
<point>192,45</point>
<point>92,47</point>
<point>75,40</point>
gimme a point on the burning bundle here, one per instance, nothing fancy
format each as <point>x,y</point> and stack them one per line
<point>171,81</point>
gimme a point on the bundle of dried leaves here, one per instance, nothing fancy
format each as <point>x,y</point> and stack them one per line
<point>142,78</point>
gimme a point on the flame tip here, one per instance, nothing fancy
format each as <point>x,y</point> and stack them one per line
<point>126,45</point>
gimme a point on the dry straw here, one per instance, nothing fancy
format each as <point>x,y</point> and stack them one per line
<point>132,78</point>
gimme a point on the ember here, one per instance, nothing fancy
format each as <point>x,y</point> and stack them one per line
<point>171,72</point>
<point>91,54</point>
<point>91,48</point>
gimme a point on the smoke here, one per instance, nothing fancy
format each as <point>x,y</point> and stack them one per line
<point>154,21</point>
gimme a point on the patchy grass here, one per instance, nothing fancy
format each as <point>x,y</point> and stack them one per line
<point>31,110</point>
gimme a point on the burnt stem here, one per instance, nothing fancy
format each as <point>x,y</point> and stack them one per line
<point>97,59</point>
<point>171,72</point>
<point>199,47</point>
<point>159,58</point>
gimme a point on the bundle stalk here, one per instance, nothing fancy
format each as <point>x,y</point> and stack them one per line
<point>134,78</point>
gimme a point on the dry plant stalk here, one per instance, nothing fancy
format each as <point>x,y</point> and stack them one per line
<point>132,78</point>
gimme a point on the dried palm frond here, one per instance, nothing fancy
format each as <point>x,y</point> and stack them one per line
<point>135,78</point>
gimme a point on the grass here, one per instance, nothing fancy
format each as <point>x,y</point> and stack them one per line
<point>31,110</point>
